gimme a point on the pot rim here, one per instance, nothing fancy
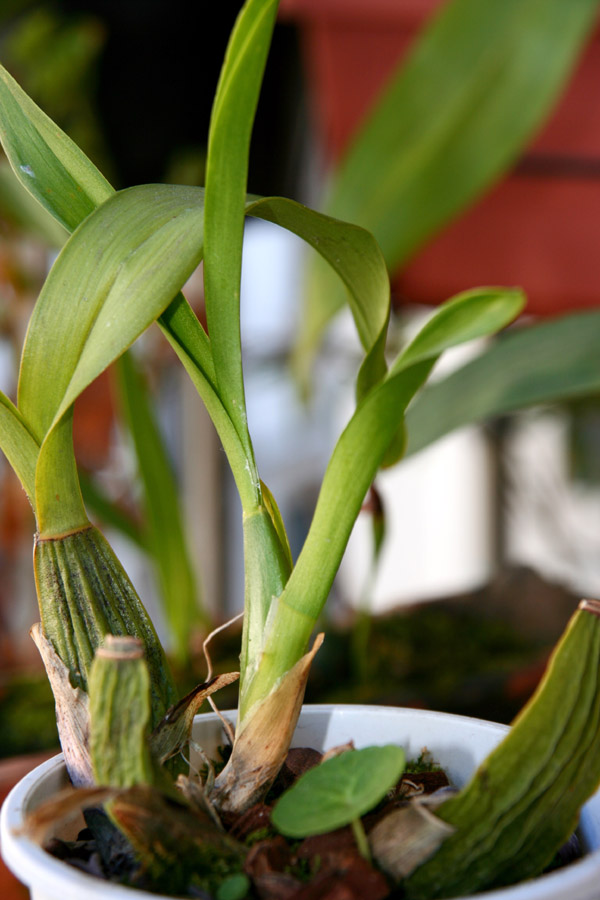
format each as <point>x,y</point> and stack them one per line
<point>38,869</point>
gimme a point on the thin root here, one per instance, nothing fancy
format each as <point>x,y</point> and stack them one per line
<point>209,671</point>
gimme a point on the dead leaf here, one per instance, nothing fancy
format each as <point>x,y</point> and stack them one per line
<point>261,747</point>
<point>72,712</point>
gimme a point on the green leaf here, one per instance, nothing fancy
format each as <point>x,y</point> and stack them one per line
<point>108,513</point>
<point>18,445</point>
<point>234,887</point>
<point>165,530</point>
<point>47,162</point>
<point>353,465</point>
<point>362,445</point>
<point>542,363</point>
<point>18,206</point>
<point>472,93</point>
<point>338,791</point>
<point>355,257</point>
<point>226,173</point>
<point>113,278</point>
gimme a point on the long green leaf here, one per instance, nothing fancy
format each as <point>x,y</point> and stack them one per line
<point>66,166</point>
<point>354,255</point>
<point>474,90</point>
<point>353,465</point>
<point>226,174</point>
<point>535,364</point>
<point>109,513</point>
<point>18,445</point>
<point>113,278</point>
<point>163,522</point>
<point>45,160</point>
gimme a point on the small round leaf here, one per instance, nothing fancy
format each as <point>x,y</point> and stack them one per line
<point>235,887</point>
<point>338,791</point>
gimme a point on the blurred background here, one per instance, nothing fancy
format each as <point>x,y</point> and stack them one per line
<point>479,165</point>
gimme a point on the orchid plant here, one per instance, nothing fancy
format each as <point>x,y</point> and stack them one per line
<point>122,268</point>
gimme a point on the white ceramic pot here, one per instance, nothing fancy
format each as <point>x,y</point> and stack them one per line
<point>459,744</point>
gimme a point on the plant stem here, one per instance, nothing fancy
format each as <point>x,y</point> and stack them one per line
<point>59,504</point>
<point>361,838</point>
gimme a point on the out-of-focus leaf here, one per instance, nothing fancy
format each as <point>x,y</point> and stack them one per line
<point>473,91</point>
<point>164,526</point>
<point>109,513</point>
<point>541,363</point>
<point>19,207</point>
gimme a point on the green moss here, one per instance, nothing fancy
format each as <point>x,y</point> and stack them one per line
<point>27,716</point>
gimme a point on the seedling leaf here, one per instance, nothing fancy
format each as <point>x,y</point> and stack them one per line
<point>338,791</point>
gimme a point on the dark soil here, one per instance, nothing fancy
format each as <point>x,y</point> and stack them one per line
<point>323,867</point>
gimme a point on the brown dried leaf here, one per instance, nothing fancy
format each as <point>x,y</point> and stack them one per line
<point>172,734</point>
<point>260,749</point>
<point>194,794</point>
<point>72,712</point>
<point>407,837</point>
<point>337,751</point>
<point>53,815</point>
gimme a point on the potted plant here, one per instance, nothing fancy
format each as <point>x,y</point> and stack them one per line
<point>121,730</point>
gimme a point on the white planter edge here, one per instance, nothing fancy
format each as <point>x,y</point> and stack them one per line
<point>458,742</point>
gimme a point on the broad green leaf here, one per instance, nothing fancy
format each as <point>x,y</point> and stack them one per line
<point>113,278</point>
<point>45,160</point>
<point>58,500</point>
<point>472,93</point>
<point>18,445</point>
<point>353,465</point>
<point>541,363</point>
<point>67,183</point>
<point>165,529</point>
<point>338,791</point>
<point>226,174</point>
